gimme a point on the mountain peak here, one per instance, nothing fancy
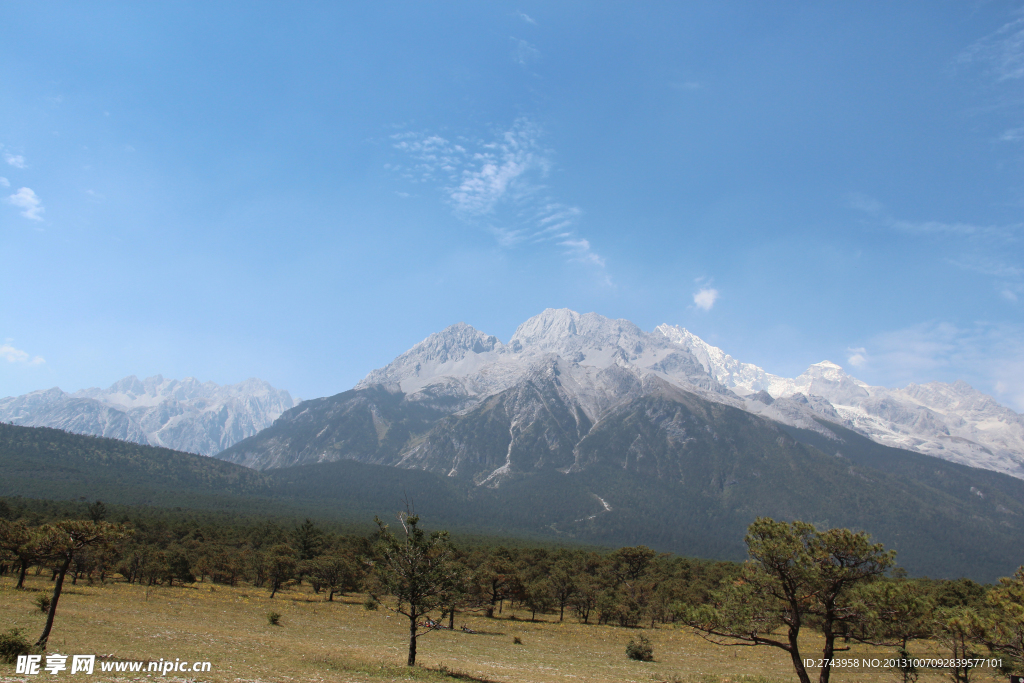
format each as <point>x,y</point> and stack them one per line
<point>826,370</point>
<point>453,349</point>
<point>566,332</point>
<point>452,344</point>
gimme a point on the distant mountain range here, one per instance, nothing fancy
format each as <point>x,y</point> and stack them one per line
<point>579,428</point>
<point>563,375</point>
<point>185,415</point>
<point>601,365</point>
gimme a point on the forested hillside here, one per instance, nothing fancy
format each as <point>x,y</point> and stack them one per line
<point>945,520</point>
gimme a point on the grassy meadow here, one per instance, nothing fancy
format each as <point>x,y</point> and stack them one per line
<point>341,641</point>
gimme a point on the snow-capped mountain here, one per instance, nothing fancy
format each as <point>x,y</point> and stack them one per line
<point>463,362</point>
<point>950,421</point>
<point>186,415</point>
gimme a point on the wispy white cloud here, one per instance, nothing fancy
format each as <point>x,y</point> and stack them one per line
<point>13,355</point>
<point>982,249</point>
<point>15,160</point>
<point>961,229</point>
<point>1001,52</point>
<point>705,298</point>
<point>501,171</point>
<point>4,182</point>
<point>26,199</point>
<point>497,184</point>
<point>988,356</point>
<point>579,250</point>
<point>876,210</point>
<point>523,52</point>
<point>986,266</point>
<point>1012,135</point>
<point>862,202</point>
<point>527,18</point>
<point>857,357</point>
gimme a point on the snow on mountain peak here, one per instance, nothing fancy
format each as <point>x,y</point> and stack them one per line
<point>458,350</point>
<point>825,369</point>
<point>951,421</point>
<point>565,332</point>
<point>188,415</point>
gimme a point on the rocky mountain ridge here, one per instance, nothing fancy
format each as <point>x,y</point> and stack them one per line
<point>951,421</point>
<point>186,415</point>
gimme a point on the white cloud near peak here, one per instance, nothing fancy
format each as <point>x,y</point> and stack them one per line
<point>15,160</point>
<point>858,357</point>
<point>13,355</point>
<point>29,202</point>
<point>705,298</point>
<point>527,18</point>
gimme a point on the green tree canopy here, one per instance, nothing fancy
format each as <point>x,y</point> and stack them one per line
<point>798,576</point>
<point>416,570</point>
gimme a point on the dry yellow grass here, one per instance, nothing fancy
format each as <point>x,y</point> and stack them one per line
<point>340,641</point>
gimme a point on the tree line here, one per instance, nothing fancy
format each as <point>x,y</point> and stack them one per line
<point>835,583</point>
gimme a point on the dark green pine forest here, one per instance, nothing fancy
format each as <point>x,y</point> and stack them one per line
<point>944,520</point>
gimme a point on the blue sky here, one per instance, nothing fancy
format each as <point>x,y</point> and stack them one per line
<point>300,192</point>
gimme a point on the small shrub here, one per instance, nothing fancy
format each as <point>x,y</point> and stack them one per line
<point>12,644</point>
<point>640,649</point>
<point>273,618</point>
<point>43,602</point>
<point>370,605</point>
<point>516,640</point>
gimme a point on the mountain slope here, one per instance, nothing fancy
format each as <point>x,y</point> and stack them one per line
<point>40,462</point>
<point>709,470</point>
<point>950,421</point>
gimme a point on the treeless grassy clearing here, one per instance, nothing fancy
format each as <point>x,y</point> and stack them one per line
<point>341,641</point>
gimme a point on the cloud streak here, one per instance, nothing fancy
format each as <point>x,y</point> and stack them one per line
<point>523,52</point>
<point>989,356</point>
<point>13,355</point>
<point>499,185</point>
<point>1001,51</point>
<point>982,249</point>
<point>15,160</point>
<point>29,202</point>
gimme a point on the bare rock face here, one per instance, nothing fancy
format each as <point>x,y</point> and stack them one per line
<point>186,415</point>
